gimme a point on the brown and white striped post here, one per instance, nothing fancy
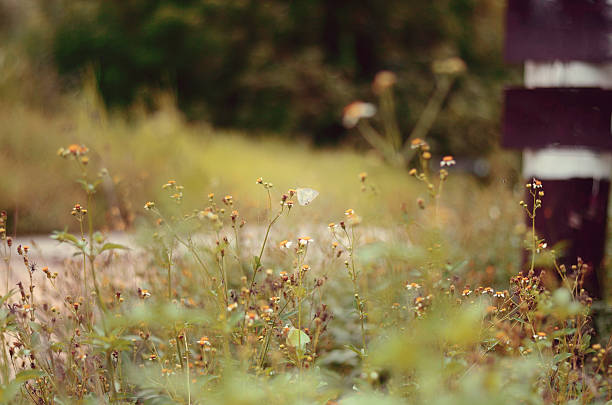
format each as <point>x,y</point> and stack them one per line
<point>562,119</point>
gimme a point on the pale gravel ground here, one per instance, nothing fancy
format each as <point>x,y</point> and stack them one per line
<point>45,251</point>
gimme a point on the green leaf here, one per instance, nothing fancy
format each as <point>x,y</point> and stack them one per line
<point>112,246</point>
<point>560,357</point>
<point>288,314</point>
<point>234,319</point>
<point>57,347</point>
<point>35,339</point>
<point>355,349</point>
<point>63,236</point>
<point>586,342</point>
<point>28,375</point>
<point>98,237</point>
<point>88,187</point>
<point>6,297</point>
<point>564,332</point>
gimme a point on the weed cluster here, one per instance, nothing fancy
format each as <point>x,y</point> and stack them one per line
<point>215,310</point>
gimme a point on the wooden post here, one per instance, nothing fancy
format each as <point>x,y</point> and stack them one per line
<point>562,119</point>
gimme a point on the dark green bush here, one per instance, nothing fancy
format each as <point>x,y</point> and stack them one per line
<point>289,66</point>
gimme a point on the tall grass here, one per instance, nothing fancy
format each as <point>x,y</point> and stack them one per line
<point>269,300</point>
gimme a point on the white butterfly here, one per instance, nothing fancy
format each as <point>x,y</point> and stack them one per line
<point>306,195</point>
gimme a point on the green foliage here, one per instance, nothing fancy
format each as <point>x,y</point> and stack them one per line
<point>289,66</point>
<point>213,310</point>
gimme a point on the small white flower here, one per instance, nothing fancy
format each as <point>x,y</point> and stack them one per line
<point>447,161</point>
<point>417,143</point>
<point>356,111</point>
<point>541,247</point>
<point>305,240</point>
<point>285,244</point>
<point>251,317</point>
<point>540,336</point>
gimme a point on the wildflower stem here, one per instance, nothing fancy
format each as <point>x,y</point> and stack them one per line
<point>438,199</point>
<point>223,274</point>
<point>188,244</point>
<point>257,265</point>
<point>300,292</point>
<point>84,258</point>
<point>533,234</point>
<point>111,374</point>
<point>264,350</point>
<point>170,274</point>
<point>7,262</point>
<point>237,248</point>
<point>429,114</point>
<point>31,295</point>
<point>375,140</point>
<point>357,298</point>
<point>179,352</point>
<point>263,245</point>
<point>389,122</point>
<point>187,374</point>
<point>5,363</point>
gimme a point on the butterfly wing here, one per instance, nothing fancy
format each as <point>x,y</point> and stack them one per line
<point>306,195</point>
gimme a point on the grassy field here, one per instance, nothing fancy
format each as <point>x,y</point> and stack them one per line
<point>389,286</point>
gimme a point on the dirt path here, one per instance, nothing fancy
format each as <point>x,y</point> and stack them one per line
<point>45,251</point>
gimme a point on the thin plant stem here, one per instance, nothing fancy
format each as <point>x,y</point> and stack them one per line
<point>299,269</point>
<point>170,274</point>
<point>533,234</point>
<point>429,114</point>
<point>353,275</point>
<point>111,374</point>
<point>257,264</point>
<point>187,374</point>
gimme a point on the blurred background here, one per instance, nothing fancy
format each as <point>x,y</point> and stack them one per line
<point>217,93</point>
